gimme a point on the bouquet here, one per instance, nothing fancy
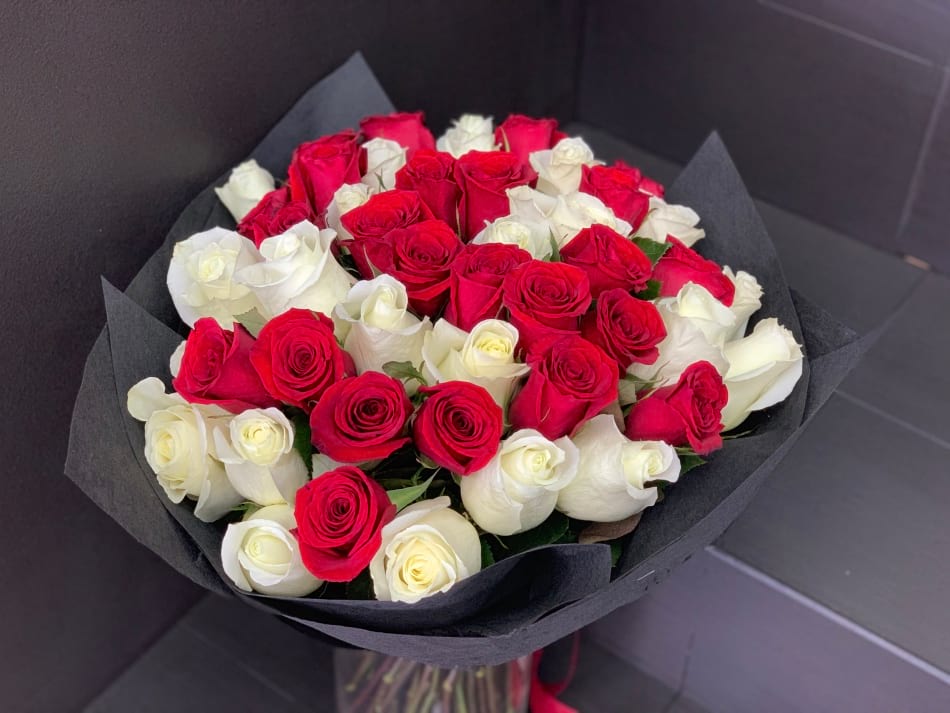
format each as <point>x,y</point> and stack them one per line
<point>417,397</point>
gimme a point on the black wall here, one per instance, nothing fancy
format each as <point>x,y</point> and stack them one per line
<point>114,115</point>
<point>835,109</point>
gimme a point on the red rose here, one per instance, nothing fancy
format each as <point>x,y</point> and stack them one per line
<point>475,283</point>
<point>458,426</point>
<point>216,369</point>
<point>379,215</point>
<point>688,413</point>
<point>361,419</point>
<point>650,186</point>
<point>483,177</point>
<point>420,257</point>
<point>626,328</point>
<point>406,129</point>
<point>571,381</point>
<point>340,517</point>
<point>618,187</point>
<point>318,168</point>
<point>274,214</point>
<point>544,296</point>
<point>431,174</point>
<point>522,134</point>
<point>681,264</point>
<point>609,259</point>
<point>298,357</point>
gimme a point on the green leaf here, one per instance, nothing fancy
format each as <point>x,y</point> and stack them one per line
<point>548,532</point>
<point>616,549</point>
<point>488,557</point>
<point>404,370</point>
<point>406,496</point>
<point>302,442</point>
<point>689,460</point>
<point>555,248</point>
<point>651,248</point>
<point>651,292</point>
<point>252,321</point>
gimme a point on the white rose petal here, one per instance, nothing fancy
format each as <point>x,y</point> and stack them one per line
<point>299,270</point>
<point>174,361</point>
<point>695,303</point>
<point>179,450</point>
<point>260,554</point>
<point>519,487</point>
<point>747,301</point>
<point>560,169</point>
<point>613,471</point>
<point>383,159</point>
<point>470,132</point>
<point>257,449</point>
<point>684,344</point>
<point>201,276</point>
<point>484,356</point>
<point>763,369</point>
<point>375,324</point>
<point>148,396</point>
<point>246,185</point>
<point>347,197</point>
<point>564,215</point>
<point>664,219</point>
<point>534,237</point>
<point>426,550</point>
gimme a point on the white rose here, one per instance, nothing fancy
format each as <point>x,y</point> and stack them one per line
<point>426,549</point>
<point>347,197</point>
<point>260,554</point>
<point>375,324</point>
<point>201,276</point>
<point>696,303</point>
<point>763,369</point>
<point>174,361</point>
<point>179,450</point>
<point>246,185</point>
<point>534,237</point>
<point>664,219</point>
<point>519,487</point>
<point>470,132</point>
<point>613,471</point>
<point>257,449</point>
<point>299,270</point>
<point>747,301</point>
<point>383,159</point>
<point>565,215</point>
<point>484,356</point>
<point>683,345</point>
<point>560,169</point>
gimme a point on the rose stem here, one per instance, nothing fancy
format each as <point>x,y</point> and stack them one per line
<point>490,685</point>
<point>371,686</point>
<point>365,663</point>
<point>431,693</point>
<point>447,689</point>
<point>460,697</point>
<point>471,689</point>
<point>395,685</point>
<point>419,689</point>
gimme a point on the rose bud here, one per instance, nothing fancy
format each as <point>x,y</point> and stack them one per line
<point>542,297</point>
<point>571,381</point>
<point>378,216</point>
<point>484,178</point>
<point>425,550</point>
<point>626,328</point>
<point>216,368</point>
<point>298,358</point>
<point>618,186</point>
<point>245,187</point>
<point>609,259</point>
<point>458,426</point>
<point>664,220</point>
<point>431,174</point>
<point>476,279</point>
<point>420,257</point>
<point>681,264</point>
<point>340,516</point>
<point>688,413</point>
<point>470,132</point>
<point>523,135</point>
<point>318,168</point>
<point>405,128</point>
<point>361,419</point>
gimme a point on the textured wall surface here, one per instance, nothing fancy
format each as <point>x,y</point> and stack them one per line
<point>834,109</point>
<point>115,115</point>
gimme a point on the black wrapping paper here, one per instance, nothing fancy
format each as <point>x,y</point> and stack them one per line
<point>520,603</point>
